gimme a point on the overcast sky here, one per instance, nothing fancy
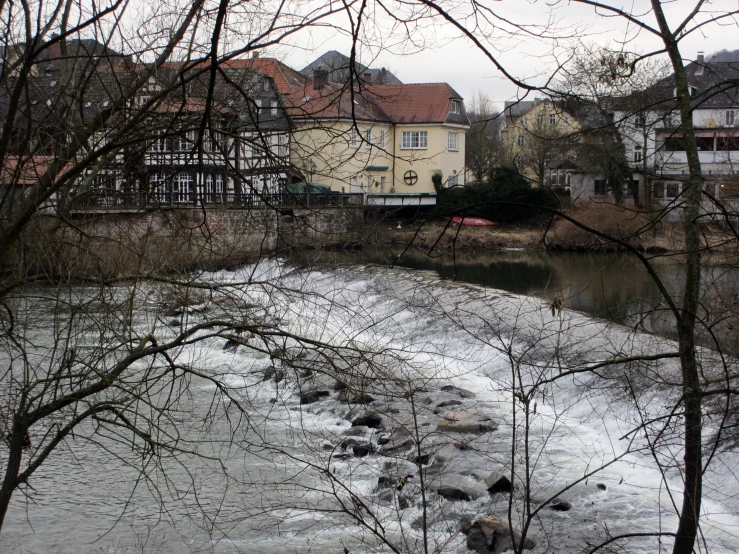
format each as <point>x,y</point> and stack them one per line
<point>436,52</point>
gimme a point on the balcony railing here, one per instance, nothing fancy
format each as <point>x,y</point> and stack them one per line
<point>116,201</point>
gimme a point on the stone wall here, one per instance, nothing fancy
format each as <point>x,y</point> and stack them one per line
<point>119,244</point>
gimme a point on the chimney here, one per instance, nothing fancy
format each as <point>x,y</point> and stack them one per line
<point>320,78</point>
<point>700,62</point>
<point>368,78</point>
<point>255,54</point>
<point>55,50</point>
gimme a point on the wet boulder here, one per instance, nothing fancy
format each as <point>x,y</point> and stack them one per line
<point>347,396</point>
<point>452,494</point>
<point>274,374</point>
<point>423,459</point>
<point>398,441</point>
<point>310,397</point>
<point>464,393</point>
<point>449,403</point>
<point>559,505</point>
<point>488,534</point>
<point>497,483</point>
<point>354,432</point>
<point>369,419</point>
<point>362,450</point>
<point>462,421</point>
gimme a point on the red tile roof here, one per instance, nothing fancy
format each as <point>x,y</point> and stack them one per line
<point>414,103</point>
<point>331,102</point>
<point>24,171</point>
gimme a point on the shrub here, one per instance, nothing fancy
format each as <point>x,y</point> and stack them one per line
<point>507,198</point>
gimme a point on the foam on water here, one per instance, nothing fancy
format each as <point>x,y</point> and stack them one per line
<point>445,334</point>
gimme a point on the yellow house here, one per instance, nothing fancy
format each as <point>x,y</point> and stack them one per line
<point>384,139</point>
<point>539,138</point>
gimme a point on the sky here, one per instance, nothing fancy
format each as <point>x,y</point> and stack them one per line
<point>436,52</point>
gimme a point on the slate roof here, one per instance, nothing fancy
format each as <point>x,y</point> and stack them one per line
<point>338,67</point>
<point>717,84</point>
<point>285,78</point>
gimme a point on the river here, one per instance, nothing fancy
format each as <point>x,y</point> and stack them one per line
<point>450,340</point>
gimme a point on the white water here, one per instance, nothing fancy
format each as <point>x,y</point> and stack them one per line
<point>270,500</point>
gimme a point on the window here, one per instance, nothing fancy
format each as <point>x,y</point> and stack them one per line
<point>673,190</point>
<point>282,145</point>
<point>599,187</point>
<point>567,119</point>
<point>730,118</point>
<point>525,121</point>
<point>640,122</point>
<point>265,85</point>
<point>453,141</point>
<point>382,138</point>
<point>415,139</point>
<point>159,144</point>
<point>456,106</point>
<point>520,140</point>
<point>658,189</point>
<point>143,100</point>
<point>383,181</point>
<point>674,144</point>
<point>637,152</point>
<point>704,144</point>
<point>552,119</point>
<point>368,138</point>
<point>246,149</point>
<point>355,138</point>
<point>258,103</point>
<point>727,144</point>
<point>181,184</point>
<point>453,181</point>
<point>540,119</point>
<point>273,106</point>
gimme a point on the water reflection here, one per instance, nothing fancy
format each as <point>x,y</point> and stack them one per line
<point>606,285</point>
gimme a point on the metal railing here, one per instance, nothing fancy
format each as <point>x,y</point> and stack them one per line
<point>117,201</point>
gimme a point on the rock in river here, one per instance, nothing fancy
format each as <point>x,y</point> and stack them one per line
<point>452,493</point>
<point>462,421</point>
<point>369,419</point>
<point>488,534</point>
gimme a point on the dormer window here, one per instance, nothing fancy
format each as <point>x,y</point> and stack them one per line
<point>456,106</point>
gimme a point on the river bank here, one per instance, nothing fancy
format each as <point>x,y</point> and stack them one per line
<point>629,229</point>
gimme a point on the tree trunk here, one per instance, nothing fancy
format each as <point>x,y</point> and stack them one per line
<point>10,480</point>
<point>693,466</point>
